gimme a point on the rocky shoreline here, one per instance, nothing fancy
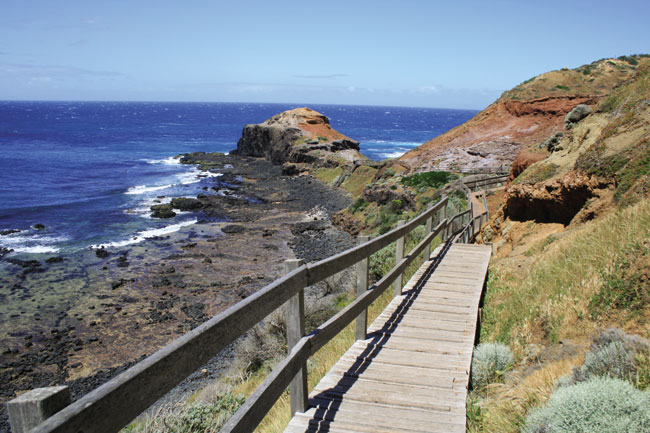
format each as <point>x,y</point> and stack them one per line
<point>84,318</point>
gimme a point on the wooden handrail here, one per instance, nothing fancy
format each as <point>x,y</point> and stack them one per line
<point>117,402</point>
<point>332,265</point>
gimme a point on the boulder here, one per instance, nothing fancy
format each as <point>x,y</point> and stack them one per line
<point>162,211</point>
<point>186,204</point>
<point>576,115</point>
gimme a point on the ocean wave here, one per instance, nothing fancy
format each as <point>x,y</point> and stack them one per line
<point>391,154</point>
<point>32,243</point>
<point>145,234</point>
<point>167,161</point>
<point>36,249</point>
<point>142,189</point>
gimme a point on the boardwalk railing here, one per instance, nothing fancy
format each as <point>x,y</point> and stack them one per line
<point>116,403</point>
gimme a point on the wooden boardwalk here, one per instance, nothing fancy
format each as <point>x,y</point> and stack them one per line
<point>411,373</point>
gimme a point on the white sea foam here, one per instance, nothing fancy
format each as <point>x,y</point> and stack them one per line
<point>167,161</point>
<point>392,154</point>
<point>142,189</point>
<point>36,249</point>
<point>26,242</point>
<point>146,234</point>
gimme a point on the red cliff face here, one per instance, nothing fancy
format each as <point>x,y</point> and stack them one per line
<point>522,118</point>
<point>494,136</point>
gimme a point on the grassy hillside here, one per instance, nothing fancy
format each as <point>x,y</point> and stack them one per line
<point>597,78</point>
<point>555,287</point>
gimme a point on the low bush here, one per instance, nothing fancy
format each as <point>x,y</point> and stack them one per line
<point>195,418</point>
<point>358,205</point>
<point>490,361</point>
<point>613,354</point>
<point>598,405</point>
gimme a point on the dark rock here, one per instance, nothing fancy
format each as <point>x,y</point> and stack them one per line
<point>54,260</point>
<point>551,144</point>
<point>186,204</point>
<point>233,228</point>
<point>164,281</point>
<point>162,211</point>
<point>7,232</point>
<point>25,264</point>
<point>38,226</point>
<point>290,169</point>
<point>102,253</point>
<point>4,251</point>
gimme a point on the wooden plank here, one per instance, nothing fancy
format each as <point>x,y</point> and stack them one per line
<point>373,409</point>
<point>466,337</point>
<point>412,358</point>
<point>378,371</point>
<point>383,418</point>
<point>361,384</point>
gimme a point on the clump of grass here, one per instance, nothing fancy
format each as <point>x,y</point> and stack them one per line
<point>598,405</point>
<point>502,408</point>
<point>623,285</point>
<point>202,417</point>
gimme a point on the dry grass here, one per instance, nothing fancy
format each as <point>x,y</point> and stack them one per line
<point>550,300</point>
<point>503,408</point>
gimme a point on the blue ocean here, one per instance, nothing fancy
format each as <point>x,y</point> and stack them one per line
<point>86,173</point>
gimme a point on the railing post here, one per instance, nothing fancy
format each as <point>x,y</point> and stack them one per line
<point>35,406</point>
<point>428,226</point>
<point>399,255</point>
<point>443,212</point>
<point>362,287</point>
<point>295,313</point>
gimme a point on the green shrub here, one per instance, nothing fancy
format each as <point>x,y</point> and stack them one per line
<point>489,363</point>
<point>359,204</point>
<point>431,179</point>
<point>560,87</point>
<point>598,405</point>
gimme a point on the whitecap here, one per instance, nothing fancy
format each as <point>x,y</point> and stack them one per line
<point>167,161</point>
<point>391,154</point>
<point>141,189</point>
<point>36,249</point>
<point>146,234</point>
<point>26,242</point>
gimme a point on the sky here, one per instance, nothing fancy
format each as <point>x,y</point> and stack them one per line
<point>444,54</point>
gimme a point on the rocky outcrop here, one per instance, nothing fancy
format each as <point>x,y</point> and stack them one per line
<point>554,201</point>
<point>298,136</point>
<point>523,160</point>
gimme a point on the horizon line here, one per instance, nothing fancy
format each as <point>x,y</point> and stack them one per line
<point>297,104</point>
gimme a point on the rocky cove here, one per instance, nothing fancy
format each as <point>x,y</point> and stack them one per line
<point>84,317</point>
